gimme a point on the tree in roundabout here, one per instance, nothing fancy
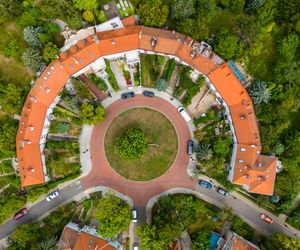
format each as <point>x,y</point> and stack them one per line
<point>132,145</point>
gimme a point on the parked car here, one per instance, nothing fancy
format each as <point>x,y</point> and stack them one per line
<point>134,215</point>
<point>190,147</point>
<point>135,246</point>
<point>21,213</point>
<point>148,93</point>
<point>127,95</point>
<point>266,218</point>
<point>205,184</point>
<point>222,191</point>
<point>184,114</point>
<point>52,196</point>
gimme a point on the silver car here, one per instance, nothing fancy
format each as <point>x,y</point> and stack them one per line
<point>52,196</point>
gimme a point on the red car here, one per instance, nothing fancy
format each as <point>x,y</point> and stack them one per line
<point>21,213</point>
<point>266,218</point>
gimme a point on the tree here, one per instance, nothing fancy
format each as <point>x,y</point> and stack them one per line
<point>204,152</point>
<point>201,241</point>
<point>86,4</point>
<point>288,46</point>
<point>132,145</point>
<point>278,148</point>
<point>221,147</point>
<point>259,93</point>
<point>236,6</point>
<point>161,85</point>
<point>32,58</point>
<point>153,13</point>
<point>282,241</point>
<point>228,45</point>
<point>182,9</point>
<point>91,114</point>
<point>113,214</point>
<point>50,52</point>
<point>9,8</point>
<point>12,48</point>
<point>150,238</point>
<point>254,4</point>
<point>25,235</point>
<point>31,36</point>
<point>48,244</point>
<point>8,132</point>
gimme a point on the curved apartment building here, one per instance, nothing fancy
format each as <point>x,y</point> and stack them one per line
<point>255,172</point>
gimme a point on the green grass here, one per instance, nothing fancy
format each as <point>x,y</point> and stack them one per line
<point>6,167</point>
<point>150,69</point>
<point>169,69</point>
<point>59,127</point>
<point>158,130</point>
<point>111,77</point>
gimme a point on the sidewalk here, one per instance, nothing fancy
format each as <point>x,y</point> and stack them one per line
<point>85,155</point>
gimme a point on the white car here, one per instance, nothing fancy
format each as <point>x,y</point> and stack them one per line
<point>52,196</point>
<point>134,215</point>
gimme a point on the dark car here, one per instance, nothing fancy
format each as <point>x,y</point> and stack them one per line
<point>21,213</point>
<point>222,191</point>
<point>190,147</point>
<point>205,184</point>
<point>148,93</point>
<point>127,95</point>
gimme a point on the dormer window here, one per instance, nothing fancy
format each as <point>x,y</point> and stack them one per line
<point>241,161</point>
<point>243,149</point>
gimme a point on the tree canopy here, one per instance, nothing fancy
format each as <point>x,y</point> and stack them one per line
<point>92,113</point>
<point>132,145</point>
<point>113,214</point>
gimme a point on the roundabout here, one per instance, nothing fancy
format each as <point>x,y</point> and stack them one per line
<point>161,144</point>
<point>102,174</point>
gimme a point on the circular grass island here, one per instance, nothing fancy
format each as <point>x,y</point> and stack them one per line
<point>161,138</point>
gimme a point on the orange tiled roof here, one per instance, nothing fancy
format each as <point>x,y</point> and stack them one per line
<point>246,166</point>
<point>128,21</point>
<point>72,239</point>
<point>86,51</point>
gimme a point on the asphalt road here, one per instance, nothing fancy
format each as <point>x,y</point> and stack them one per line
<point>41,208</point>
<point>245,209</point>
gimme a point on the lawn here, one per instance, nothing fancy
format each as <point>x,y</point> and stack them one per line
<point>6,167</point>
<point>158,130</point>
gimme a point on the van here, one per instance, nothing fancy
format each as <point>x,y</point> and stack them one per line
<point>135,246</point>
<point>134,215</point>
<point>184,114</point>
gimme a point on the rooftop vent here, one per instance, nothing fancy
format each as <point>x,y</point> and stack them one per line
<point>74,59</point>
<point>243,117</point>
<point>253,146</point>
<point>52,68</point>
<point>113,42</point>
<point>31,128</point>
<point>247,176</point>
<point>33,99</point>
<point>240,170</point>
<point>260,178</point>
<point>153,41</point>
<point>241,161</point>
<point>31,170</point>
<point>47,90</point>
<point>193,53</point>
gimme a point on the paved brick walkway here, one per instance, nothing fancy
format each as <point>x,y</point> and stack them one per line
<point>140,192</point>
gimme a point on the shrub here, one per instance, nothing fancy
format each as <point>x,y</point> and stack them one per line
<point>50,52</point>
<point>132,145</point>
<point>32,58</point>
<point>88,16</point>
<point>31,36</point>
<point>12,48</point>
<point>161,85</point>
<point>111,77</point>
